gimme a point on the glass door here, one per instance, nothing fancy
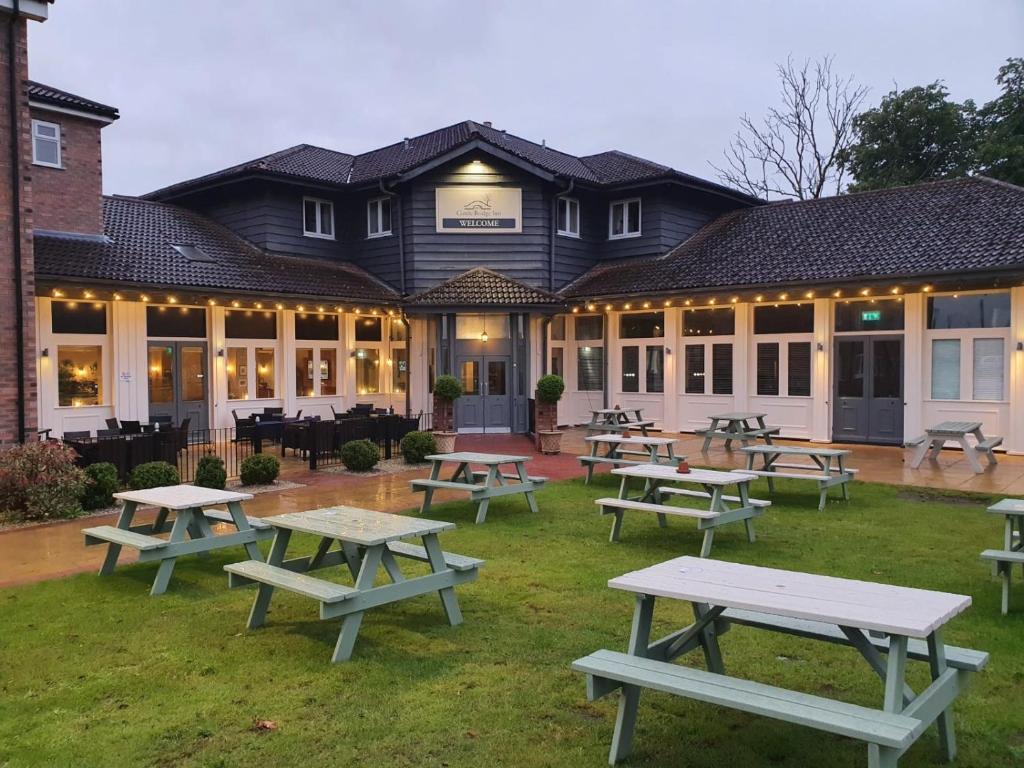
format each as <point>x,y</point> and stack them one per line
<point>497,413</point>
<point>868,389</point>
<point>178,382</point>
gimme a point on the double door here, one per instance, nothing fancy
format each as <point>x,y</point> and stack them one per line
<point>868,392</point>
<point>486,404</point>
<point>178,382</point>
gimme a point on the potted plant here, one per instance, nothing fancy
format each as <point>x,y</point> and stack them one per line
<point>447,390</point>
<point>549,392</point>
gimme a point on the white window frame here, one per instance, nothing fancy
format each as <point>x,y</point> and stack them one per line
<point>102,340</point>
<point>625,218</point>
<point>568,231</point>
<point>319,218</point>
<point>57,139</point>
<point>251,345</point>
<point>373,211</point>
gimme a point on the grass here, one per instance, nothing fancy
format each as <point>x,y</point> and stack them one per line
<point>94,672</point>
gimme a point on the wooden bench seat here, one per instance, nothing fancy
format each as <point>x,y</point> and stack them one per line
<point>608,670</point>
<point>423,484</point>
<point>834,469</point>
<point>1004,560</point>
<point>481,474</point>
<point>416,552</point>
<point>915,441</point>
<point>789,475</point>
<point>223,516</point>
<point>108,534</point>
<point>661,509</point>
<point>675,491</point>
<point>989,443</point>
<point>249,571</point>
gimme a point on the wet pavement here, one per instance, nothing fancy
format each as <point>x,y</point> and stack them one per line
<point>56,549</point>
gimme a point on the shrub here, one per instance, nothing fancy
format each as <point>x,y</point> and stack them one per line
<point>210,472</point>
<point>447,388</point>
<point>550,389</point>
<point>360,455</point>
<point>101,485</point>
<point>260,469</point>
<point>416,446</point>
<point>39,481</point>
<point>153,474</point>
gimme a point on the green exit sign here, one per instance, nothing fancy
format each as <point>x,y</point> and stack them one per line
<point>869,315</point>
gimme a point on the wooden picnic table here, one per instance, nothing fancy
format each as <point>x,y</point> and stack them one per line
<point>887,625</point>
<point>821,471</point>
<point>661,481</point>
<point>1012,552</point>
<point>935,438</point>
<point>482,486</point>
<point>648,449</point>
<point>742,426</point>
<point>366,540</point>
<point>618,420</point>
<point>192,516</point>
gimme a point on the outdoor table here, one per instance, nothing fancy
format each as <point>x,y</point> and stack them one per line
<point>620,447</point>
<point>367,540</point>
<point>618,420</point>
<point>1012,552</point>
<point>661,480</point>
<point>877,620</point>
<point>822,471</point>
<point>481,486</point>
<point>935,438</point>
<point>189,504</point>
<point>737,426</point>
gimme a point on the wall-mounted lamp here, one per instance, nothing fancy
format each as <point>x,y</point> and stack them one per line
<point>46,351</point>
<point>668,350</point>
<point>220,352</point>
<point>483,336</point>
<point>1020,347</point>
<point>821,346</point>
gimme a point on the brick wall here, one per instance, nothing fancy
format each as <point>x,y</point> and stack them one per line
<point>68,199</point>
<point>9,406</point>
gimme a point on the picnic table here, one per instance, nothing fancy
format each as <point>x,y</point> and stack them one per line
<point>191,515</point>
<point>661,480</point>
<point>887,625</point>
<point>1012,552</point>
<point>822,471</point>
<point>742,426</point>
<point>482,486</point>
<point>619,448</point>
<point>366,540</point>
<point>935,438</point>
<point>618,420</point>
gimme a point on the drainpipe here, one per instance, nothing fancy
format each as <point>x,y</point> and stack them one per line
<point>554,227</point>
<point>19,311</point>
<point>545,324</point>
<point>408,361</point>
<point>396,214</point>
<point>605,358</point>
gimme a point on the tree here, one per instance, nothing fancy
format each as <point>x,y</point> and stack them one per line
<point>796,151</point>
<point>1001,148</point>
<point>914,135</point>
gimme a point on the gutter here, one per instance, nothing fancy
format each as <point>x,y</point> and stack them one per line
<point>19,310</point>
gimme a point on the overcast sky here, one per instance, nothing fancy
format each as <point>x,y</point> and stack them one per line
<point>204,84</point>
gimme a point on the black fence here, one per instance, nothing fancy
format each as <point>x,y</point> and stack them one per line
<point>320,441</point>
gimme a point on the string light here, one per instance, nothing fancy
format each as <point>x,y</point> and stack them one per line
<point>235,303</point>
<point>301,308</point>
<point>172,300</point>
<point>212,303</point>
<point>279,306</point>
<point>734,299</point>
<point>626,306</point>
<point>607,307</point>
<point>647,304</point>
<point>783,296</point>
<point>688,302</point>
<point>837,294</point>
<point>809,295</point>
<point>575,310</point>
<point>759,297</point>
<point>57,293</point>
<point>144,297</point>
<point>668,302</point>
<point>259,305</point>
<point>865,292</point>
<point>87,294</point>
<point>591,307</point>
<point>117,297</point>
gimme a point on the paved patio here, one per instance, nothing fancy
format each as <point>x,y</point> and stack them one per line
<point>55,549</point>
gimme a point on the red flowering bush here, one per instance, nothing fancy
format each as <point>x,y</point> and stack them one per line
<point>39,481</point>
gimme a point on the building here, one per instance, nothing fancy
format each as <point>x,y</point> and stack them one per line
<point>314,279</point>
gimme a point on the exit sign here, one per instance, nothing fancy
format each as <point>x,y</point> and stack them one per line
<point>869,315</point>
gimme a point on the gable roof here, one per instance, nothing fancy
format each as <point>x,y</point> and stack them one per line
<point>482,287</point>
<point>925,230</point>
<point>138,249</point>
<point>305,162</point>
<point>55,97</point>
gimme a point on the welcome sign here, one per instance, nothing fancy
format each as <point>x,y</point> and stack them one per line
<point>497,210</point>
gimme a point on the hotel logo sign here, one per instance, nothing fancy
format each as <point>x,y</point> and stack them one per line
<point>498,210</point>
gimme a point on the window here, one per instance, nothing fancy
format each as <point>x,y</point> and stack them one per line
<point>590,369</point>
<point>694,360</point>
<point>367,371</point>
<point>988,369</point>
<point>250,324</point>
<point>46,144</point>
<point>328,371</point>
<point>589,328</point>
<point>643,325</point>
<point>317,218</point>
<point>399,370</point>
<point>869,316</point>
<point>709,322</point>
<point>631,369</point>
<point>473,326</point>
<point>397,331</point>
<point>655,362</point>
<point>264,372</point>
<point>368,329</point>
<point>946,369</point>
<point>304,372</point>
<point>79,375</point>
<point>973,310</point>
<point>318,327</point>
<point>768,369</point>
<point>784,318</point>
<point>558,361</point>
<point>799,365</point>
<point>558,328</point>
<point>624,219</point>
<point>238,373</point>
<point>721,369</point>
<point>78,317</point>
<point>568,217</point>
<point>176,322</point>
<point>378,217</point>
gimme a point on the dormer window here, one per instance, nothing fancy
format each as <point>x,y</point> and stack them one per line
<point>624,219</point>
<point>317,218</point>
<point>378,217</point>
<point>46,144</point>
<point>569,216</point>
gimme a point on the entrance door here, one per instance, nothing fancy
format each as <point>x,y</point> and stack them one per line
<point>486,403</point>
<point>178,382</point>
<point>868,389</point>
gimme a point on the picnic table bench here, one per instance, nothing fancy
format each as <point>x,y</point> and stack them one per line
<point>822,470</point>
<point>935,438</point>
<point>661,481</point>
<point>482,486</point>
<point>618,420</point>
<point>366,540</point>
<point>834,610</point>
<point>191,517</point>
<point>1012,552</point>
<point>745,427</point>
<point>619,448</point>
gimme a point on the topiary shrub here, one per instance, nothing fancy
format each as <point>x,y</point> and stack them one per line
<point>260,469</point>
<point>447,389</point>
<point>210,472</point>
<point>39,481</point>
<point>101,485</point>
<point>416,446</point>
<point>360,455</point>
<point>153,474</point>
<point>550,389</point>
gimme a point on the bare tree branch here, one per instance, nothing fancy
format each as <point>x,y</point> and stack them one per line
<point>797,150</point>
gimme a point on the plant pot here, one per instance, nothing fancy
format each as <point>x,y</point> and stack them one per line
<point>445,441</point>
<point>550,442</point>
<point>683,468</point>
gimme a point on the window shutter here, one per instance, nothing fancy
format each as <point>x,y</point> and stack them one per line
<point>799,369</point>
<point>946,369</point>
<point>655,369</point>
<point>590,369</point>
<point>695,369</point>
<point>721,369</point>
<point>768,369</point>
<point>988,369</point>
<point>631,369</point>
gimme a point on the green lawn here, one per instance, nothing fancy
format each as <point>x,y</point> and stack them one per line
<point>94,672</point>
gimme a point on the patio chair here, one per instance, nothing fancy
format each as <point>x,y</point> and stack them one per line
<point>84,434</point>
<point>113,424</point>
<point>107,433</point>
<point>182,434</point>
<point>131,427</point>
